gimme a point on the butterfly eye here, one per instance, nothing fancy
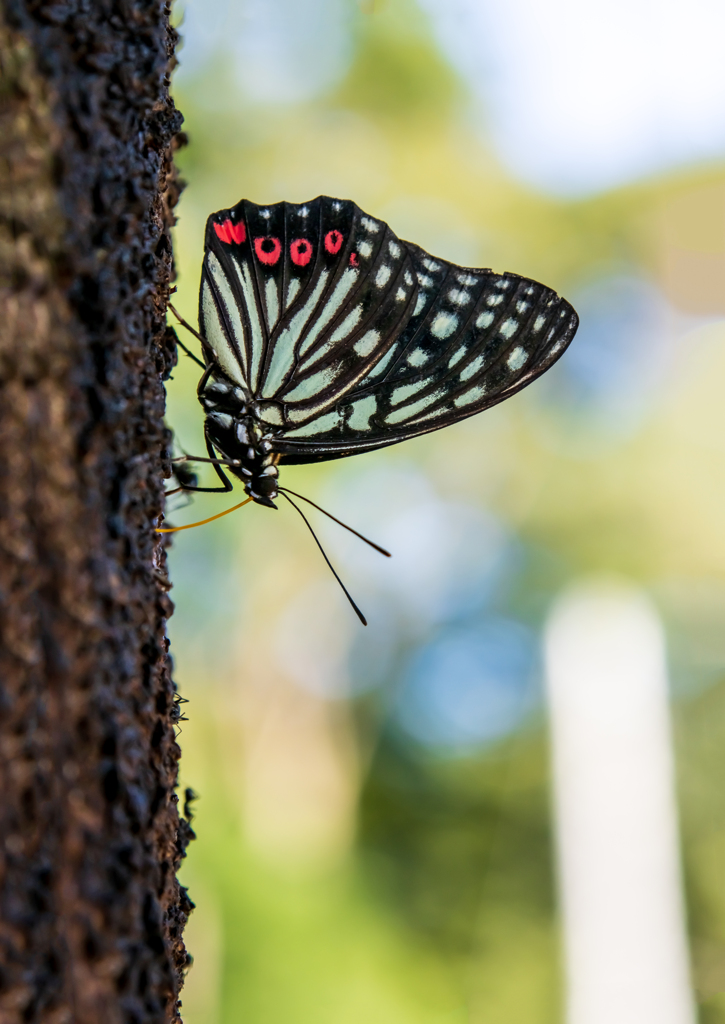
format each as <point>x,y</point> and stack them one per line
<point>267,250</point>
<point>333,242</point>
<point>301,252</point>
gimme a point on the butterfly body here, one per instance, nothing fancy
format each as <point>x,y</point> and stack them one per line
<point>325,335</point>
<point>234,427</point>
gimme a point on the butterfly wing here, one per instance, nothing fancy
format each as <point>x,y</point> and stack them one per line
<point>298,303</point>
<point>475,338</point>
<point>349,339</point>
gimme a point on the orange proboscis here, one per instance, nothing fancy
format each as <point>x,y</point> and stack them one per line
<point>190,526</point>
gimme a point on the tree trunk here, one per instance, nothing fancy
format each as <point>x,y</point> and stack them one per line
<point>91,912</point>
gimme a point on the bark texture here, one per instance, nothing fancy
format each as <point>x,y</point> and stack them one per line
<point>91,912</point>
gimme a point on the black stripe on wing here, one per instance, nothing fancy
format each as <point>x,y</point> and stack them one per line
<point>301,301</point>
<point>359,299</point>
<point>475,339</point>
<point>259,261</point>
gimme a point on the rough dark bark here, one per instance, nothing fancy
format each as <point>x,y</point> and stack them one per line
<point>91,912</point>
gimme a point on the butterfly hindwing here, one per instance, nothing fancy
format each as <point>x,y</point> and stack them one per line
<point>476,338</point>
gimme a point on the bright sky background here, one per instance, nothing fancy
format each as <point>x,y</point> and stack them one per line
<point>583,95</point>
<point>576,95</point>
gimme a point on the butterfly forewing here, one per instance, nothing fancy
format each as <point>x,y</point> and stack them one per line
<point>353,339</point>
<point>323,292</point>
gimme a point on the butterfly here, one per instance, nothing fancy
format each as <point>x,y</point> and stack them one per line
<point>325,335</point>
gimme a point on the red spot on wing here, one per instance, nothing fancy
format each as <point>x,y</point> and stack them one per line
<point>353,259</point>
<point>333,241</point>
<point>238,232</point>
<point>229,232</point>
<point>267,250</point>
<point>301,252</point>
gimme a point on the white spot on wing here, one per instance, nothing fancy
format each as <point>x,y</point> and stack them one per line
<point>321,425</point>
<point>366,344</point>
<point>459,297</point>
<point>417,357</point>
<point>238,348</point>
<point>362,410</point>
<point>539,322</point>
<point>420,302</point>
<point>216,336</point>
<point>383,276</point>
<point>431,265</point>
<point>331,308</point>
<point>509,327</point>
<point>407,390</point>
<point>517,358</point>
<point>304,212</point>
<point>292,289</point>
<point>365,248</point>
<point>271,297</point>
<point>348,324</point>
<point>466,279</point>
<point>313,385</point>
<point>400,294</point>
<point>424,281</point>
<point>283,356</point>
<point>408,411</point>
<point>250,303</point>
<point>408,278</point>
<point>457,356</point>
<point>265,213</point>
<point>494,299</point>
<point>522,306</point>
<point>394,249</point>
<point>381,366</point>
<point>337,207</point>
<point>470,396</point>
<point>473,367</point>
<point>484,320</point>
<point>444,325</point>
<point>270,413</point>
<point>370,225</point>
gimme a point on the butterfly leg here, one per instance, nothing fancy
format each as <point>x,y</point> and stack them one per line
<point>217,464</point>
<point>196,335</point>
<point>204,378</point>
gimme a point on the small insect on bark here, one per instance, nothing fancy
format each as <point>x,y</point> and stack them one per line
<point>325,335</point>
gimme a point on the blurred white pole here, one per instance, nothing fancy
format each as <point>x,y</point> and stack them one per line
<point>616,820</point>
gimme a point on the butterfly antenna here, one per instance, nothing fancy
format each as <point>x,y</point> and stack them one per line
<point>195,333</point>
<point>202,522</point>
<point>329,563</point>
<point>338,521</point>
